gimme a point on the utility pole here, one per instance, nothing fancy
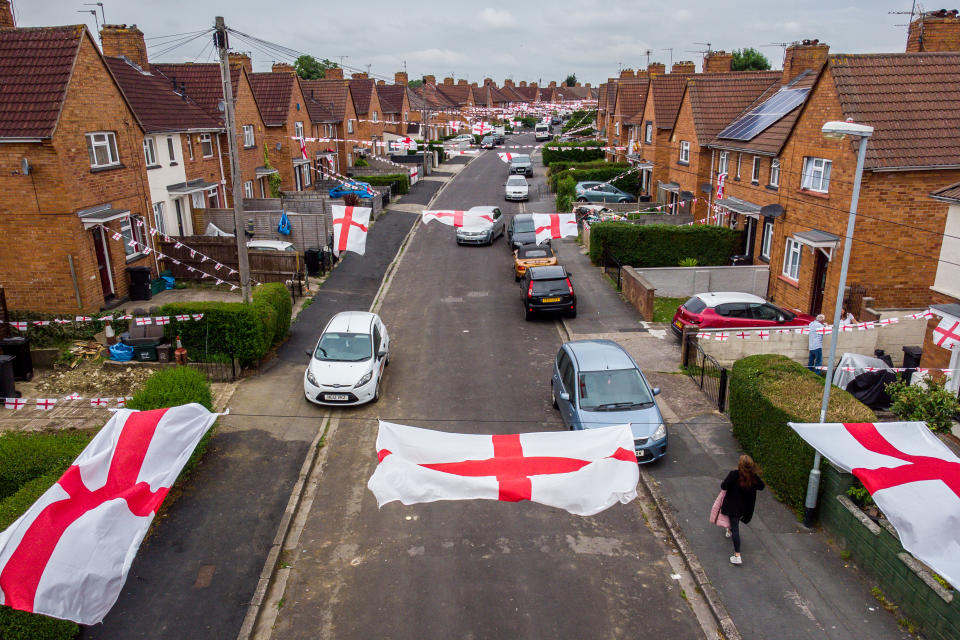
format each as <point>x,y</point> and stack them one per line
<point>243,262</point>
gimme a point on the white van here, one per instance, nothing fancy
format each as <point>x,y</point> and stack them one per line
<point>542,132</point>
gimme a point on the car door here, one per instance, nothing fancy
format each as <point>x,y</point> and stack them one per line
<point>510,231</point>
<point>764,315</point>
<point>497,222</point>
<point>609,193</point>
<point>564,382</point>
<point>731,314</point>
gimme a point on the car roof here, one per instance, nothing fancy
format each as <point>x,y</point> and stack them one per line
<point>515,177</point>
<point>586,183</point>
<point>350,322</point>
<point>547,273</point>
<point>520,156</point>
<point>713,298</point>
<point>598,355</point>
<point>523,216</point>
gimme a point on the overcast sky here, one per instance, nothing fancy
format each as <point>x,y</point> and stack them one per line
<point>501,40</point>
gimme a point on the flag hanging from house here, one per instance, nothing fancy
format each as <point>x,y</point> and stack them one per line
<point>913,477</point>
<point>554,225</point>
<point>947,333</point>
<point>350,225</point>
<point>582,472</point>
<point>69,554</point>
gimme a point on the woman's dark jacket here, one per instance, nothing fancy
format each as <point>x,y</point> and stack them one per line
<point>739,502</point>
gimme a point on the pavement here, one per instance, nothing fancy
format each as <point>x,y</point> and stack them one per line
<point>793,583</point>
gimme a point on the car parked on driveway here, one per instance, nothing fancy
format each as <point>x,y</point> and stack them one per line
<point>591,191</point>
<point>516,188</point>
<point>597,384</point>
<point>347,364</point>
<point>733,309</point>
<point>477,230</point>
<point>547,289</point>
<point>532,255</point>
<point>520,163</point>
<point>362,189</point>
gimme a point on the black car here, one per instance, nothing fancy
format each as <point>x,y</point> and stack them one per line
<point>521,231</point>
<point>548,289</point>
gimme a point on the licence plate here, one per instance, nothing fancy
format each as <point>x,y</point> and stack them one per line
<point>641,454</point>
<point>335,396</point>
<point>550,300</point>
<point>678,324</point>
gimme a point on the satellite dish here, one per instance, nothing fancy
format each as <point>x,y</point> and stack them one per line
<point>25,166</point>
<point>706,187</point>
<point>771,211</point>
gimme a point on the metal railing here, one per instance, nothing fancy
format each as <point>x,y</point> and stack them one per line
<point>613,268</point>
<point>705,371</point>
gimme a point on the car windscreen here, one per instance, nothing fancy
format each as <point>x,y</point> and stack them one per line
<point>516,181</point>
<point>524,226</point>
<point>694,305</point>
<point>520,160</point>
<point>344,347</point>
<point>613,390</point>
<point>550,287</point>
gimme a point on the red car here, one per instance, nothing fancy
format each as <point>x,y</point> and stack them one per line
<point>732,309</point>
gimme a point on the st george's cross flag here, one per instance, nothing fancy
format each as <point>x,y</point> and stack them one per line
<point>506,157</point>
<point>554,225</point>
<point>457,218</point>
<point>350,225</point>
<point>582,472</point>
<point>913,477</point>
<point>947,334</point>
<point>69,554</point>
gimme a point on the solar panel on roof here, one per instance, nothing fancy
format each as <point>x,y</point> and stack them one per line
<point>765,115</point>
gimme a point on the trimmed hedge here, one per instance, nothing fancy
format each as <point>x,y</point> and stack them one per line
<point>766,392</point>
<point>565,165</point>
<point>582,151</point>
<point>662,245</point>
<point>20,625</point>
<point>275,296</point>
<point>25,456</point>
<point>566,193</point>
<point>171,388</point>
<point>629,183</point>
<point>398,182</point>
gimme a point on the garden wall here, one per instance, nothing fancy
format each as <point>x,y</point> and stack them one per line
<point>638,291</point>
<point>681,282</point>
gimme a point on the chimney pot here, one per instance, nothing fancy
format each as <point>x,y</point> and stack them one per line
<point>359,76</point>
<point>934,31</point>
<point>429,79</point>
<point>717,62</point>
<point>240,60</point>
<point>808,55</point>
<point>626,73</point>
<point>448,81</point>
<point>656,69</point>
<point>400,77</point>
<point>283,67</point>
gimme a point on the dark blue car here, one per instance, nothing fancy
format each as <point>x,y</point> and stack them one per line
<point>361,189</point>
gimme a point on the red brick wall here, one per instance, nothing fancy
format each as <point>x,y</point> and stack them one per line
<point>200,167</point>
<point>246,112</point>
<point>938,34</point>
<point>697,172</point>
<point>760,193</point>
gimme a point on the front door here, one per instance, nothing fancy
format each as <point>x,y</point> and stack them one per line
<point>750,237</point>
<point>297,179</point>
<point>819,282</point>
<point>178,206</point>
<point>103,262</point>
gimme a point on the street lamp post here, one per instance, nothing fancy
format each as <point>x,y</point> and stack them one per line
<point>840,130</point>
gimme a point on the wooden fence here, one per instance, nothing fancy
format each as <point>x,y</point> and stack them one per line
<point>265,266</point>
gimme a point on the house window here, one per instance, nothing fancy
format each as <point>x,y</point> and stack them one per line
<point>213,198</point>
<point>132,229</point>
<point>755,173</point>
<point>190,145</point>
<point>206,145</point>
<point>376,116</point>
<point>306,175</point>
<point>791,259</point>
<point>739,158</point>
<point>684,152</point>
<point>816,175</point>
<point>149,152</point>
<point>616,128</point>
<point>767,239</point>
<point>406,116</point>
<point>724,163</point>
<point>298,129</point>
<point>775,172</point>
<point>248,189</point>
<point>158,217</point>
<point>171,151</point>
<point>648,133</point>
<point>248,140</point>
<point>102,147</point>
<point>350,125</point>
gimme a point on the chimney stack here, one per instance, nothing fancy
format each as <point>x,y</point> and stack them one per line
<point>934,31</point>
<point>121,40</point>
<point>717,62</point>
<point>487,81</point>
<point>576,84</point>
<point>381,83</point>
<point>240,60</point>
<point>684,67</point>
<point>626,73</point>
<point>806,55</point>
<point>587,85</point>
<point>508,82</point>
<point>523,83</point>
<point>429,80</point>
<point>359,76</point>
<point>462,82</point>
<point>283,67</point>
<point>6,15</point>
<point>656,69</point>
<point>448,81</point>
<point>333,73</point>
<point>400,77</point>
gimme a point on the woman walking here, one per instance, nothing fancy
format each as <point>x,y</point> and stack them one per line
<point>741,486</point>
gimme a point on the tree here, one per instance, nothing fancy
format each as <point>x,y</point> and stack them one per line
<point>748,59</point>
<point>415,84</point>
<point>572,80</point>
<point>309,68</point>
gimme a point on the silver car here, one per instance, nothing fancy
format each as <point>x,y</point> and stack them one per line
<point>478,230</point>
<point>516,188</point>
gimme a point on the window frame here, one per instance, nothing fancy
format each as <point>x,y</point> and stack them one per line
<point>755,170</point>
<point>376,116</point>
<point>249,137</point>
<point>209,141</point>
<point>648,133</point>
<point>158,217</point>
<point>171,151</point>
<point>298,129</point>
<point>349,125</point>
<point>109,142</point>
<point>248,189</point>
<point>150,152</point>
<point>774,172</point>
<point>807,179</point>
<point>792,254</point>
<point>723,164</point>
<point>130,230</point>
<point>739,161</point>
<point>766,242</point>
<point>190,146</point>
<point>684,152</point>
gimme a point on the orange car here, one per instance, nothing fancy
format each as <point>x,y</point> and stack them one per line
<point>532,255</point>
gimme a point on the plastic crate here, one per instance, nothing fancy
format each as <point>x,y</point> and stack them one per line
<point>145,352</point>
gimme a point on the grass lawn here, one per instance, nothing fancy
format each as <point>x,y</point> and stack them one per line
<point>664,308</point>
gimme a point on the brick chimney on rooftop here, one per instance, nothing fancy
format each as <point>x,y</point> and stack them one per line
<point>121,40</point>
<point>334,73</point>
<point>448,81</point>
<point>400,77</point>
<point>684,67</point>
<point>806,55</point>
<point>462,82</point>
<point>508,82</point>
<point>429,80</point>
<point>283,67</point>
<point>6,15</point>
<point>626,73</point>
<point>381,83</point>
<point>935,31</point>
<point>553,83</point>
<point>240,60</point>
<point>523,83</point>
<point>587,85</point>
<point>359,75</point>
<point>717,62</point>
<point>655,69</point>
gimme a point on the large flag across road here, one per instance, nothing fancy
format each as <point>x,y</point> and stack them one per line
<point>554,225</point>
<point>583,472</point>
<point>69,554</point>
<point>913,477</point>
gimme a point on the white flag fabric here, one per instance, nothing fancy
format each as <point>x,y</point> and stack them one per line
<point>506,157</point>
<point>947,334</point>
<point>913,477</point>
<point>554,225</point>
<point>350,225</point>
<point>481,128</point>
<point>582,472</point>
<point>69,554</point>
<point>453,218</point>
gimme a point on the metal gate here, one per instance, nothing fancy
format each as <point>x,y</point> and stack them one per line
<point>612,268</point>
<point>706,372</point>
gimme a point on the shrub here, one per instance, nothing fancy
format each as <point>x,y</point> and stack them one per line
<point>360,162</point>
<point>688,262</point>
<point>25,456</point>
<point>276,296</point>
<point>768,391</point>
<point>171,388</point>
<point>20,625</point>
<point>660,245</point>
<point>528,121</point>
<point>564,165</point>
<point>231,328</point>
<point>398,182</point>
<point>577,151</point>
<point>629,183</point>
<point>351,200</point>
<point>932,404</point>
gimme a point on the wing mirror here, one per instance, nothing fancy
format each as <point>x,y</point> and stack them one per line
<point>308,352</point>
<point>781,319</point>
<point>381,354</point>
<point>565,396</point>
<point>655,391</point>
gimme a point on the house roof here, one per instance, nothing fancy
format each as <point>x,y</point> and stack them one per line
<point>667,94</point>
<point>326,99</point>
<point>361,90</point>
<point>718,98</point>
<point>512,94</point>
<point>528,94</point>
<point>202,82</point>
<point>457,94</point>
<point>154,101</point>
<point>433,98</point>
<point>35,69</point>
<point>611,95</point>
<point>391,97</point>
<point>950,193</point>
<point>416,102</point>
<point>497,95</point>
<point>632,96</point>
<point>272,92</point>
<point>912,100</point>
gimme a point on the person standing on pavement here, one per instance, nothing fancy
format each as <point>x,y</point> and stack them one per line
<point>815,343</point>
<point>741,486</point>
<point>846,317</point>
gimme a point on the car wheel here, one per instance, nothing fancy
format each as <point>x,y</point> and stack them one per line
<point>572,313</point>
<point>581,199</point>
<point>516,278</point>
<point>376,393</point>
<point>527,314</point>
<point>553,396</point>
<point>623,201</point>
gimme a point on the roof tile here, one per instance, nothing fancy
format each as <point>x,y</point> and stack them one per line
<point>718,98</point>
<point>272,92</point>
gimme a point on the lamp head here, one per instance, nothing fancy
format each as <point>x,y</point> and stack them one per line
<point>838,130</point>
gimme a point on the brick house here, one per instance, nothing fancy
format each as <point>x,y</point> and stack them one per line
<point>395,103</point>
<point>440,109</point>
<point>366,103</point>
<point>331,96</point>
<point>631,99</point>
<point>167,119</point>
<point>945,291</point>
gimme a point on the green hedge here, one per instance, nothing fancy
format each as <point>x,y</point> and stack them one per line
<point>768,391</point>
<point>20,625</point>
<point>578,151</point>
<point>663,245</point>
<point>274,296</point>
<point>398,182</point>
<point>566,193</point>
<point>25,456</point>
<point>629,183</point>
<point>171,388</point>
<point>565,165</point>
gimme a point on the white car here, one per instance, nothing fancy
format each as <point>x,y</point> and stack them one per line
<point>465,138</point>
<point>270,245</point>
<point>347,364</point>
<point>516,188</point>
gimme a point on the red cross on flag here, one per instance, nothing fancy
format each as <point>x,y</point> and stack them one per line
<point>303,148</point>
<point>350,229</point>
<point>913,477</point>
<point>456,218</point>
<point>947,333</point>
<point>506,157</point>
<point>69,554</point>
<point>582,472</point>
<point>554,225</point>
<point>481,128</point>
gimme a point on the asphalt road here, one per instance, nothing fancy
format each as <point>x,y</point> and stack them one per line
<point>464,360</point>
